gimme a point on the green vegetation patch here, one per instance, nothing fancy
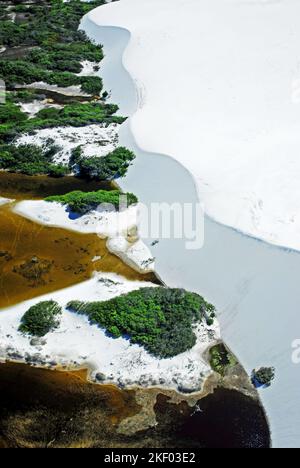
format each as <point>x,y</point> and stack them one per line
<point>51,46</point>
<point>31,160</point>
<point>47,23</point>
<point>111,166</point>
<point>83,202</point>
<point>221,359</point>
<point>160,319</point>
<point>27,95</point>
<point>10,112</point>
<point>41,318</point>
<point>13,122</point>
<point>65,57</point>
<point>44,43</point>
<point>20,72</point>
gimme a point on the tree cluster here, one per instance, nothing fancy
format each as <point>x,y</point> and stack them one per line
<point>31,160</point>
<point>41,318</point>
<point>109,167</point>
<point>160,319</point>
<point>83,202</point>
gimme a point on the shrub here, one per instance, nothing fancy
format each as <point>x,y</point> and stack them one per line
<point>48,26</point>
<point>221,359</point>
<point>58,170</point>
<point>78,51</point>
<point>91,85</point>
<point>22,72</point>
<point>27,95</point>
<point>30,160</point>
<point>75,114</point>
<point>57,60</point>
<point>160,319</point>
<point>41,318</point>
<point>264,376</point>
<point>60,47</point>
<point>10,112</point>
<point>83,202</point>
<point>111,166</point>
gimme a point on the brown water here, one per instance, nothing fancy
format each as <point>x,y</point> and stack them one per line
<point>22,187</point>
<point>35,259</point>
<point>42,408</point>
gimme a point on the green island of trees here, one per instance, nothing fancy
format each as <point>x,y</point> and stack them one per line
<point>41,318</point>
<point>160,319</point>
<point>109,167</point>
<point>83,202</point>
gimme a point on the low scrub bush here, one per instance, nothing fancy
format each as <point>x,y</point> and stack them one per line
<point>41,318</point>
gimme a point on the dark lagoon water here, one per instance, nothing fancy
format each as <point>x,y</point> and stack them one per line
<point>62,409</point>
<point>228,419</point>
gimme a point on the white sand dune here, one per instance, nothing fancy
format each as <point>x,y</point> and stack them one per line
<point>219,87</point>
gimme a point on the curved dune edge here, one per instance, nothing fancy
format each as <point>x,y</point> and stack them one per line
<point>86,26</point>
<point>240,138</point>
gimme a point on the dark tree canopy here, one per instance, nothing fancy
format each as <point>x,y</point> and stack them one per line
<point>160,319</point>
<point>41,318</point>
<point>83,202</point>
<point>109,167</point>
